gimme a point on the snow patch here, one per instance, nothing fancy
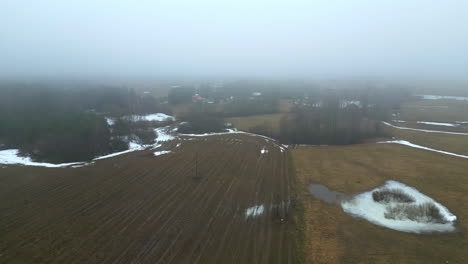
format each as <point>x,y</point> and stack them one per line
<point>11,156</point>
<point>158,117</point>
<point>364,206</point>
<point>110,121</point>
<point>264,150</point>
<point>254,211</point>
<point>409,144</point>
<point>162,152</point>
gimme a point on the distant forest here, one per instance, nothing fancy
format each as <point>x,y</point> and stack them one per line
<point>64,125</point>
<point>57,124</point>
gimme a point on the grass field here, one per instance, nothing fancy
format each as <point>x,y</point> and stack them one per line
<point>138,208</point>
<point>246,123</point>
<point>452,143</point>
<point>434,110</point>
<point>331,236</point>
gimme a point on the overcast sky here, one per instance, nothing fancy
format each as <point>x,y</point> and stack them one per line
<point>250,38</point>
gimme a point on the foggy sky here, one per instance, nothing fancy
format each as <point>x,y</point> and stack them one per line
<point>252,38</point>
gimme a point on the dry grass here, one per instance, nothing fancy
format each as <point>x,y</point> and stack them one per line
<point>271,121</point>
<point>331,236</point>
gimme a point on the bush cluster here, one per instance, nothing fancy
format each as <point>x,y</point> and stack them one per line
<point>392,195</point>
<point>423,213</point>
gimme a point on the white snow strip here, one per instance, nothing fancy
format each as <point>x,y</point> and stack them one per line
<point>364,206</point>
<point>162,152</point>
<point>426,130</point>
<point>159,117</point>
<point>263,151</point>
<point>461,122</point>
<point>409,144</point>
<point>439,97</point>
<point>229,131</point>
<point>178,145</point>
<point>155,146</point>
<point>10,156</point>
<point>132,147</point>
<point>436,123</point>
<point>254,211</point>
<point>399,121</point>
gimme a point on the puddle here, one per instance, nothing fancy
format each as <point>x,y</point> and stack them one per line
<point>321,192</point>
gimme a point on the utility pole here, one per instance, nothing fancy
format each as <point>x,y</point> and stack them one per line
<point>196,165</point>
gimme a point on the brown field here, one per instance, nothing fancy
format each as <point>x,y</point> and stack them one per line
<point>137,208</point>
<point>332,236</point>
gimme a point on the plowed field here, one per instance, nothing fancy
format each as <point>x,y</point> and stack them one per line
<point>188,206</point>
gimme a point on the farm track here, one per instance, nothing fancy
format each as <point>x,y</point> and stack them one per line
<point>138,208</point>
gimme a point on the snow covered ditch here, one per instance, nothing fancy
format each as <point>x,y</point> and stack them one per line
<point>409,144</point>
<point>425,130</point>
<point>437,124</point>
<point>400,207</point>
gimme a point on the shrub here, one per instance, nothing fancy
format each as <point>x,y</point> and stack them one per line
<point>423,213</point>
<point>392,195</point>
<point>145,136</point>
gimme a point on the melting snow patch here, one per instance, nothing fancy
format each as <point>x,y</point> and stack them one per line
<point>162,134</point>
<point>263,151</point>
<point>110,121</point>
<point>399,121</point>
<point>254,211</point>
<point>10,156</point>
<point>437,124</point>
<point>408,216</point>
<point>162,152</point>
<point>425,130</point>
<point>178,145</point>
<point>409,144</point>
<point>158,117</point>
